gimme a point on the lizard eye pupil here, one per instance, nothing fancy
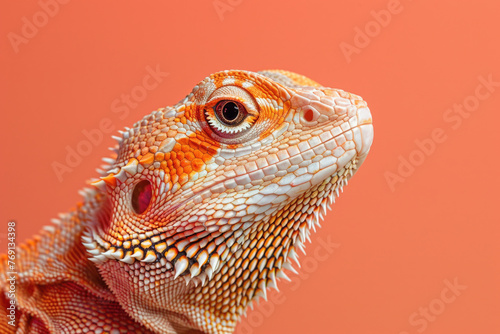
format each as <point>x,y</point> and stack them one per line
<point>230,113</point>
<point>141,196</point>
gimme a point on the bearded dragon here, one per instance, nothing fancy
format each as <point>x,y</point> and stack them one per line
<point>202,207</point>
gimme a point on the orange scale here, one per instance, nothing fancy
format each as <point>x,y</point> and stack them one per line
<point>207,157</point>
<point>183,178</point>
<point>198,154</point>
<point>197,164</point>
<point>189,155</point>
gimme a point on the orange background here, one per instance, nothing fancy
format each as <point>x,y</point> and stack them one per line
<point>396,245</point>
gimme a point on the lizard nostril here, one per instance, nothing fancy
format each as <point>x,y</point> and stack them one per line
<point>141,196</point>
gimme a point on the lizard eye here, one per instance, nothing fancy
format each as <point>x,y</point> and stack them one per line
<point>230,113</point>
<point>229,117</point>
<point>141,196</point>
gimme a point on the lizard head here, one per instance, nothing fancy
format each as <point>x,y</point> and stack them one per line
<point>207,201</point>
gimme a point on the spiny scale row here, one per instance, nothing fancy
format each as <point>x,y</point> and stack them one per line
<point>182,257</point>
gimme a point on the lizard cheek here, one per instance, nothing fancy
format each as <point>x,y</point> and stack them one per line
<point>141,196</point>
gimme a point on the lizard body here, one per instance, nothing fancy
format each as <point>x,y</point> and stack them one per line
<point>202,208</point>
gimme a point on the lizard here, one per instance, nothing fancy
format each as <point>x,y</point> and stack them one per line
<point>200,209</point>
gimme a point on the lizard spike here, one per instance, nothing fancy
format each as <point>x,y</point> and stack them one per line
<point>100,184</point>
<point>113,170</point>
<point>288,266</point>
<point>101,258</point>
<point>202,277</point>
<point>202,257</point>
<point>209,271</point>
<point>195,281</point>
<point>194,270</point>
<point>302,234</point>
<point>100,171</point>
<point>150,257</point>
<point>86,239</point>
<point>273,283</point>
<point>138,254</point>
<point>310,221</point>
<point>293,255</point>
<point>114,149</point>
<point>118,254</point>
<point>109,161</point>
<point>301,247</point>
<point>91,248</point>
<point>125,134</point>
<point>214,261</point>
<point>127,259</point>
<point>311,224</point>
<point>187,279</point>
<point>281,274</point>
<point>121,175</point>
<point>261,292</point>
<point>104,168</point>
<point>110,180</point>
<point>55,221</point>
<point>131,167</point>
<point>108,254</point>
<point>331,199</point>
<point>180,266</point>
<point>118,139</point>
<point>323,207</point>
<point>316,215</point>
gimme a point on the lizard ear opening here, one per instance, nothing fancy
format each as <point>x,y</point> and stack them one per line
<point>141,196</point>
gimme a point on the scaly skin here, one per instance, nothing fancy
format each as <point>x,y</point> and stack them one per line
<point>230,206</point>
